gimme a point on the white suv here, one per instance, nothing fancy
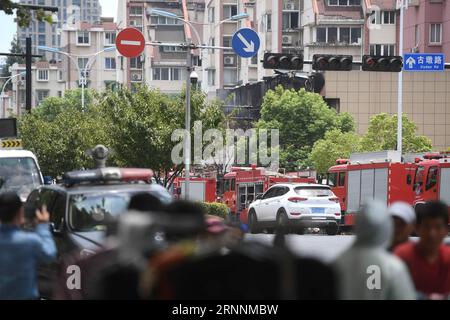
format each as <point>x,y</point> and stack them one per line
<point>297,205</point>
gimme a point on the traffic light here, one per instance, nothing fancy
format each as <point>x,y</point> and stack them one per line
<point>382,63</point>
<point>283,61</point>
<point>331,62</point>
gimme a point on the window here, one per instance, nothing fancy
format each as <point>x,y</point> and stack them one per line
<point>227,41</point>
<point>388,17</point>
<point>270,193</point>
<point>41,26</point>
<point>136,11</point>
<point>344,2</point>
<point>332,179</point>
<point>254,60</point>
<point>167,74</point>
<point>110,63</point>
<point>230,76</point>
<point>211,15</point>
<point>338,35</point>
<point>58,212</point>
<point>290,20</point>
<point>42,75</point>
<point>41,40</point>
<point>269,22</point>
<point>435,33</point>
<point>136,63</point>
<point>342,179</point>
<point>168,49</point>
<point>211,77</point>
<point>313,192</point>
<point>82,62</point>
<point>432,177</point>
<point>41,95</point>
<point>382,49</point>
<point>418,179</point>
<point>83,38</point>
<point>110,38</point>
<point>59,93</point>
<point>229,11</point>
<point>159,20</point>
<point>60,75</point>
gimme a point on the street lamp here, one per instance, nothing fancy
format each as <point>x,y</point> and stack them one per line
<point>2,94</point>
<point>81,72</point>
<point>190,75</point>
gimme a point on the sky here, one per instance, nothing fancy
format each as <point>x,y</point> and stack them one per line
<point>9,28</point>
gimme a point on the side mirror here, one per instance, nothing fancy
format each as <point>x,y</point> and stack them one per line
<point>48,180</point>
<point>408,179</point>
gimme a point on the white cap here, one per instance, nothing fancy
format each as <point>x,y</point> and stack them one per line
<point>403,211</point>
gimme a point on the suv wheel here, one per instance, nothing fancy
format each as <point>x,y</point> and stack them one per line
<point>252,222</point>
<point>332,230</point>
<point>283,220</point>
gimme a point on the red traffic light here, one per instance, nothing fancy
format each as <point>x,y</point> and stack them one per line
<point>382,63</point>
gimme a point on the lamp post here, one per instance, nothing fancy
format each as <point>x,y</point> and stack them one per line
<point>401,4</point>
<point>190,76</point>
<point>82,72</point>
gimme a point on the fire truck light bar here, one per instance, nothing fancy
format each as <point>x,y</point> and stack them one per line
<point>107,174</point>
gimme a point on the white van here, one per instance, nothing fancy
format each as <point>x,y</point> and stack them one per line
<point>19,172</point>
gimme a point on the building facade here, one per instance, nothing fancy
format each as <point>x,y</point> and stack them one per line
<point>162,67</point>
<point>70,12</point>
<point>86,43</point>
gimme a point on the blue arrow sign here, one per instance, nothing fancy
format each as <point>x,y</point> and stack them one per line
<point>245,43</point>
<point>430,62</point>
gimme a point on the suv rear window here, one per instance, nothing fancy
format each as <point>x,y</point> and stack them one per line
<point>313,192</point>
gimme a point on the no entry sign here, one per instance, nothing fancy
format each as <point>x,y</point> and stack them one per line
<point>130,42</point>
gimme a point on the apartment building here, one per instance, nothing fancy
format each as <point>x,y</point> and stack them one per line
<point>47,81</point>
<point>162,67</point>
<point>70,12</point>
<point>427,27</point>
<point>86,43</point>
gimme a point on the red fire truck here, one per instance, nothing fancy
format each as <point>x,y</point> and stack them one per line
<point>432,179</point>
<point>373,175</point>
<point>242,185</point>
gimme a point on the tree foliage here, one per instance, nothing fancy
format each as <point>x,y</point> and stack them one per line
<point>381,135</point>
<point>24,15</point>
<point>302,118</point>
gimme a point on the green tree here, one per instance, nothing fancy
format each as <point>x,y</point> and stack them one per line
<point>382,135</point>
<point>335,145</point>
<point>142,123</point>
<point>59,133</point>
<point>302,118</point>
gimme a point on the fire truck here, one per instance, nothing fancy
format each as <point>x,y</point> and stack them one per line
<point>242,185</point>
<point>200,189</point>
<point>383,175</point>
<point>432,179</point>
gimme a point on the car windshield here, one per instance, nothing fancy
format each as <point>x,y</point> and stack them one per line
<point>19,175</point>
<point>92,212</point>
<point>313,192</point>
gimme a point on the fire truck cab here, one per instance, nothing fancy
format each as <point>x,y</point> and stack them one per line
<point>242,185</point>
<point>432,179</point>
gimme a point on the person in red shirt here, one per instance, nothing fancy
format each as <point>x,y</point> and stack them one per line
<point>428,260</point>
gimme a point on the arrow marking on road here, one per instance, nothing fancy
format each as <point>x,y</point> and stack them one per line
<point>411,62</point>
<point>130,43</point>
<point>249,47</point>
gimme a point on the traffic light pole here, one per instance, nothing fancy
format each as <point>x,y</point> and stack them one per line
<point>400,86</point>
<point>28,67</point>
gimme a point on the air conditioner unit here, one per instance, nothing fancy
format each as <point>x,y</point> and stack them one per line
<point>287,40</point>
<point>413,3</point>
<point>228,61</point>
<point>289,6</point>
<point>136,77</point>
<point>133,23</point>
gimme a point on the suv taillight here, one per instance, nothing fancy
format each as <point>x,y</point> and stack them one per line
<point>297,199</point>
<point>334,199</point>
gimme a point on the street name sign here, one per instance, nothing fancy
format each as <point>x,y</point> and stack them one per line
<point>430,62</point>
<point>246,43</point>
<point>130,42</point>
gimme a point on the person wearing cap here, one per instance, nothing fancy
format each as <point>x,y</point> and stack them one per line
<point>404,219</point>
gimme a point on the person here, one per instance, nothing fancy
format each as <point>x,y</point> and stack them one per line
<point>366,271</point>
<point>404,219</point>
<point>22,252</point>
<point>428,260</point>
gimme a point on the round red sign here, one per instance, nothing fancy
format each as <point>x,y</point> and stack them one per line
<point>130,42</point>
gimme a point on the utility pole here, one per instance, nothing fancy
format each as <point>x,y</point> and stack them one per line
<point>400,84</point>
<point>187,148</point>
<point>28,75</point>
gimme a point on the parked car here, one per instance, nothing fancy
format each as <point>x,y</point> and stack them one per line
<point>296,206</point>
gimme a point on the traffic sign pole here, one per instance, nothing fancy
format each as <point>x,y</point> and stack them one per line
<point>400,3</point>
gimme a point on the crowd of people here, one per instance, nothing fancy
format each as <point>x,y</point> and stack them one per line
<point>156,251</point>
